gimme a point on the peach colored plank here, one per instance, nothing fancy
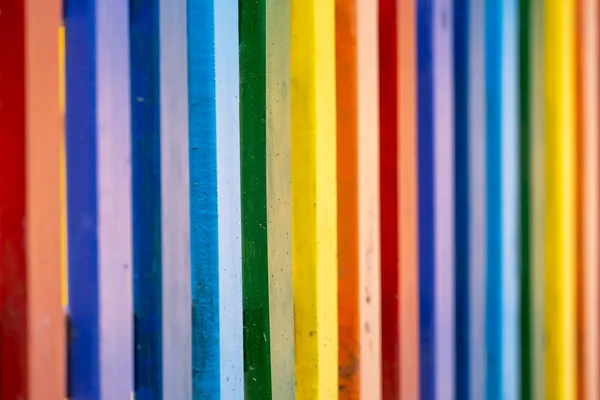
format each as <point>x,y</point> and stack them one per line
<point>408,201</point>
<point>46,321</point>
<point>588,200</point>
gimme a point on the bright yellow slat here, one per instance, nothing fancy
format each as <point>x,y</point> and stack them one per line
<point>560,242</point>
<point>63,169</point>
<point>313,144</point>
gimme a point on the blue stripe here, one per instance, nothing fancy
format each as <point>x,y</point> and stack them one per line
<point>81,133</point>
<point>203,200</point>
<point>426,182</point>
<point>493,58</point>
<point>462,204</point>
<point>146,208</point>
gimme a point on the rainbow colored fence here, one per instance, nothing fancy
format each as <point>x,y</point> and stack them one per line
<point>299,199</point>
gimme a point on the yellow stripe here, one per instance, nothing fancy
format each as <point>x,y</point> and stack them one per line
<point>313,142</point>
<point>63,184</point>
<point>559,59</point>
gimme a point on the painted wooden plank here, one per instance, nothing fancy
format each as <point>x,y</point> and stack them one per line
<point>408,205</point>
<point>560,240</point>
<point>257,356</point>
<point>470,228</point>
<point>313,140</point>
<point>279,208</point>
<point>204,201</point>
<point>436,200</point>
<point>443,124</point>
<point>146,199</point>
<point>588,200</point>
<point>511,328</point>
<point>462,211</point>
<point>217,359</point>
<point>477,197</point>
<point>175,196</point>
<point>13,202</point>
<point>502,268</point>
<point>46,318</point>
<point>392,329</point>
<point>99,199</point>
<point>32,364</point>
<point>538,198</point>
<point>532,200</point>
<point>358,199</point>
<point>229,202</point>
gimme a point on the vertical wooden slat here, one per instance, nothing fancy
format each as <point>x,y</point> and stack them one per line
<point>257,354</point>
<point>32,342</point>
<point>436,199</point>
<point>462,211</point>
<point>228,192</point>
<point>532,199</point>
<point>279,207</point>
<point>443,125</point>
<point>13,175</point>
<point>146,205</point>
<point>408,209</point>
<point>477,197</point>
<point>204,201</point>
<point>588,200</point>
<point>46,323</point>
<point>313,140</point>
<point>358,199</point>
<point>392,329</point>
<point>560,239</point>
<point>99,198</point>
<point>175,195</point>
<point>502,268</point>
<point>369,262</point>
<point>426,229</point>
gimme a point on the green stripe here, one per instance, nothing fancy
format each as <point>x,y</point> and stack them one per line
<point>255,276</point>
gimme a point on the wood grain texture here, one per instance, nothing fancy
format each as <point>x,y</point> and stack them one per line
<point>257,355</point>
<point>46,320</point>
<point>146,199</point>
<point>532,199</point>
<point>588,354</point>
<point>227,79</point>
<point>99,199</point>
<point>204,243</point>
<point>314,230</point>
<point>358,200</point>
<point>408,208</point>
<point>279,207</point>
<point>392,328</point>
<point>560,239</point>
<point>32,364</point>
<point>502,284</point>
<point>175,197</point>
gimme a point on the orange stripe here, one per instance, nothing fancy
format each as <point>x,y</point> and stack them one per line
<point>408,205</point>
<point>46,322</point>
<point>347,185</point>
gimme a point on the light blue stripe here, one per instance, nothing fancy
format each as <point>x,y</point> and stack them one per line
<point>510,203</point>
<point>229,200</point>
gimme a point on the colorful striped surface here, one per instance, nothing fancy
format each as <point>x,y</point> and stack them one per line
<point>292,199</point>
